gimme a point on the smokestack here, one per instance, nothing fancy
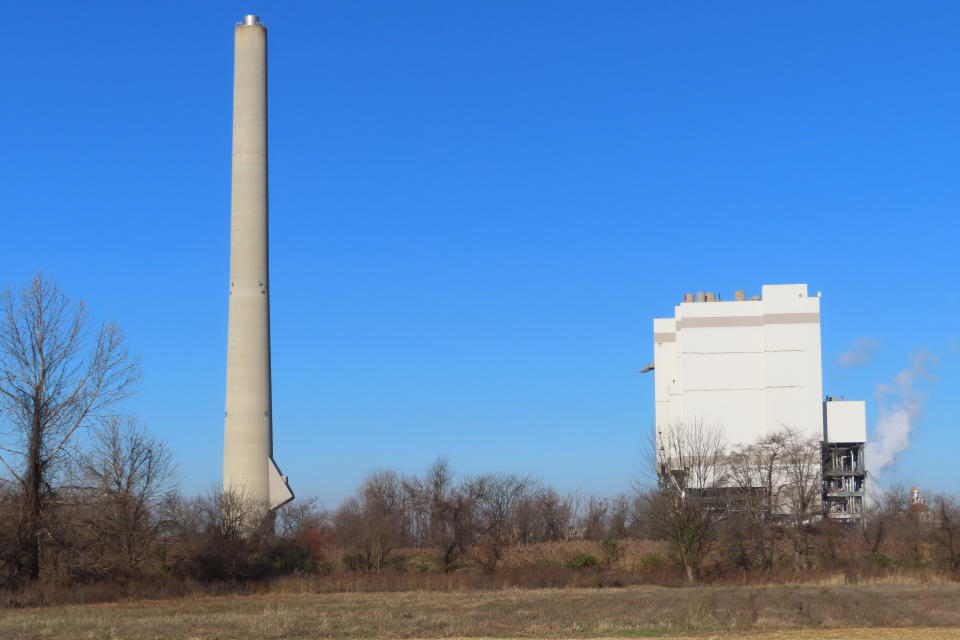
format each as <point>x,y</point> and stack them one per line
<point>248,466</point>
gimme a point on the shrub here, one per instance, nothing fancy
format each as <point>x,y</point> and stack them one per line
<point>584,561</point>
<point>355,562</point>
<point>650,562</point>
<point>610,552</point>
<point>881,559</point>
<point>423,563</point>
<point>289,556</point>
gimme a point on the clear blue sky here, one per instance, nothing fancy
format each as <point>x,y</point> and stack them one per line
<point>477,209</point>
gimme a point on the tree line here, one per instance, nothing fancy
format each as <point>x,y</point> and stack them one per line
<point>89,495</point>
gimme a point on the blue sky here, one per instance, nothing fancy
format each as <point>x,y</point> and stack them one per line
<point>478,208</point>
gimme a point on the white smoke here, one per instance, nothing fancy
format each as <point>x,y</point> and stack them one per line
<point>859,352</point>
<point>901,406</point>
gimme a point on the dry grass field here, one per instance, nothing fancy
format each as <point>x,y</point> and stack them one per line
<point>877,612</point>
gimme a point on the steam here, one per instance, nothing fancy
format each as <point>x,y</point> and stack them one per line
<point>901,406</point>
<point>860,352</point>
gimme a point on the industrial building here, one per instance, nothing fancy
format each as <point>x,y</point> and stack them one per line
<point>752,366</point>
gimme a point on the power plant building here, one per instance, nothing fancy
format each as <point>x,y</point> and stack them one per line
<point>748,366</point>
<point>752,366</point>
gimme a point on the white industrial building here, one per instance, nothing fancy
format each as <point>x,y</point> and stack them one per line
<point>751,367</point>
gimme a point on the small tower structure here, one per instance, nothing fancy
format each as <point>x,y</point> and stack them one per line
<point>844,468</point>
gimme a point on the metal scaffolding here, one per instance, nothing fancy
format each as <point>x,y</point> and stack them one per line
<point>844,480</point>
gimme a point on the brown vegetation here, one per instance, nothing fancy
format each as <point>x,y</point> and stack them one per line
<point>646,611</point>
<point>56,374</point>
<point>429,533</point>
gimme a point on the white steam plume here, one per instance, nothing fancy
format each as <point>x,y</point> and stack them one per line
<point>901,406</point>
<point>859,352</point>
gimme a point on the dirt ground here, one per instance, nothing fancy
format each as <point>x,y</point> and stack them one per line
<point>879,612</point>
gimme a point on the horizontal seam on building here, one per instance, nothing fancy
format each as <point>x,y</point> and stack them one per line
<point>748,321</point>
<point>784,386</point>
<point>721,353</point>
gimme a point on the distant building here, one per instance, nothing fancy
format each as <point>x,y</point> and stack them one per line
<point>753,366</point>
<point>916,503</point>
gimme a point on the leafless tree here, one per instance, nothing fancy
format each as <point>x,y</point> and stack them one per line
<point>182,518</point>
<point>684,521</point>
<point>757,470</point>
<point>443,514</point>
<point>594,520</point>
<point>57,373</point>
<point>691,454</point>
<point>496,498</point>
<point>692,468</point>
<point>541,515</point>
<point>946,531</point>
<point>428,500</point>
<point>229,513</point>
<point>295,519</point>
<point>621,516</point>
<point>128,473</point>
<point>802,477</point>
<point>375,521</point>
<point>304,534</point>
<point>884,514</point>
<point>557,514</point>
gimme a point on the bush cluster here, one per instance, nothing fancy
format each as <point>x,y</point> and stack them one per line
<point>430,531</point>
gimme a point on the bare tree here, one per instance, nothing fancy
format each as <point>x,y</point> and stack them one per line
<point>428,501</point>
<point>56,374</point>
<point>375,521</point>
<point>209,538</point>
<point>691,454</point>
<point>594,519</point>
<point>496,501</point>
<point>229,513</point>
<point>946,533</point>
<point>802,476</point>
<point>621,516</point>
<point>884,515</point>
<point>757,470</point>
<point>305,516</point>
<point>182,519</point>
<point>442,514</point>
<point>439,485</point>
<point>692,469</point>
<point>542,516</point>
<point>556,513</point>
<point>685,522</point>
<point>130,474</point>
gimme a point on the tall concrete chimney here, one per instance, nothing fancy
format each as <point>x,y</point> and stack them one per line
<point>248,466</point>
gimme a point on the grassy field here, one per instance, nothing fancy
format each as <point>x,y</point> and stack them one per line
<point>876,612</point>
